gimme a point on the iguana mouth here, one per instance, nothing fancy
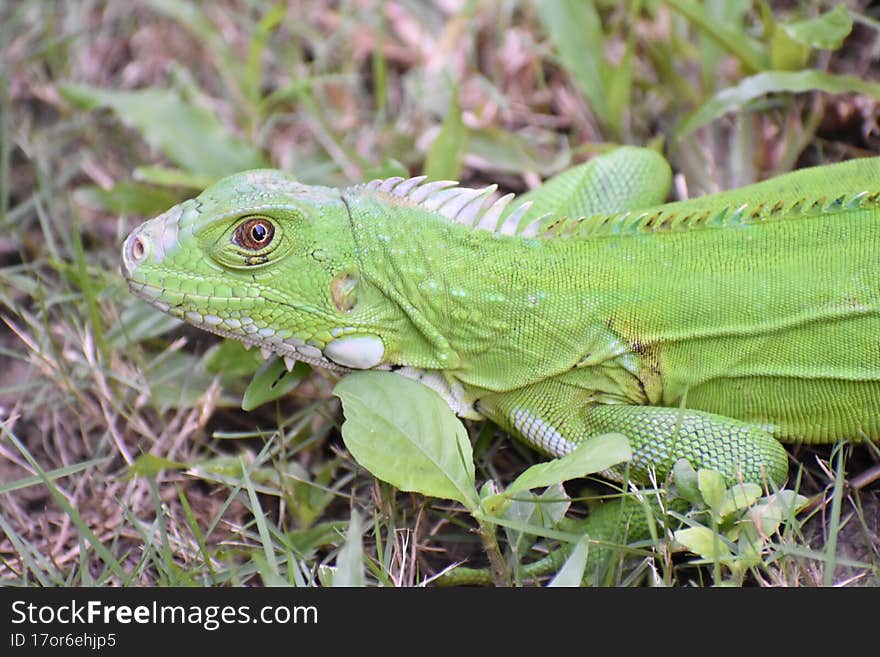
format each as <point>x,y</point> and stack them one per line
<point>243,329</point>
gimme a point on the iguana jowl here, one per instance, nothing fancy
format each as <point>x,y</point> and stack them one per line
<point>708,329</point>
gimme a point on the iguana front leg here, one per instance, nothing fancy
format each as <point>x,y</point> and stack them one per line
<point>553,417</point>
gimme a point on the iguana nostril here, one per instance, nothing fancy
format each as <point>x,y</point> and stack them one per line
<point>136,249</point>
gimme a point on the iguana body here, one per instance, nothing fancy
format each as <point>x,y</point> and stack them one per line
<point>708,329</point>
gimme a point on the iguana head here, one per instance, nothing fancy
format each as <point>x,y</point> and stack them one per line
<point>351,278</point>
<point>264,259</point>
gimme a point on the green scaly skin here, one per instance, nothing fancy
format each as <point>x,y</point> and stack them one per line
<point>709,329</point>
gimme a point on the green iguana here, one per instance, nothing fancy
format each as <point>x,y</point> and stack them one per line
<point>709,329</point>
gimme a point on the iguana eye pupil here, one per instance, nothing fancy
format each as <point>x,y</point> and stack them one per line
<point>254,233</point>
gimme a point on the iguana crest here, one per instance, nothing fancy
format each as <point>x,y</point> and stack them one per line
<point>469,206</point>
<point>462,205</point>
<point>673,217</point>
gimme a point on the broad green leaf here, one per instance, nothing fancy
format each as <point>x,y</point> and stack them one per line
<point>685,478</point>
<point>574,28</point>
<point>594,455</point>
<point>748,547</point>
<point>446,153</point>
<point>405,434</point>
<point>826,31</point>
<point>787,54</point>
<point>272,381</point>
<point>779,506</point>
<point>126,198</point>
<point>308,492</point>
<point>705,542</point>
<point>542,511</point>
<point>189,135</point>
<point>712,487</point>
<point>572,571</point>
<point>737,497</point>
<point>349,569</point>
<point>232,359</point>
<point>149,465</point>
<point>773,82</point>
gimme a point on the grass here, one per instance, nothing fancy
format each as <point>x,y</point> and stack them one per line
<point>125,457</point>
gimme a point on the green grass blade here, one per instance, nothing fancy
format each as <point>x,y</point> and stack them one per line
<point>774,82</point>
<point>58,473</point>
<point>574,28</point>
<point>572,572</point>
<point>85,532</point>
<point>260,519</point>
<point>446,153</point>
<point>752,55</point>
<point>350,560</point>
<point>189,135</point>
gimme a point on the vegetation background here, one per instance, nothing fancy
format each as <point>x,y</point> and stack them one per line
<point>125,457</point>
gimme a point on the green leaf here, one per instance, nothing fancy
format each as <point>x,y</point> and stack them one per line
<point>774,82</point>
<point>187,134</point>
<point>574,28</point>
<point>126,198</point>
<point>712,487</point>
<point>594,455</point>
<point>259,515</point>
<point>304,542</point>
<point>705,542</point>
<point>542,511</point>
<point>350,560</point>
<point>149,465</point>
<point>786,54</point>
<point>508,152</point>
<point>272,381</point>
<point>749,52</point>
<point>826,31</point>
<point>405,434</point>
<point>139,321</point>
<point>387,168</point>
<point>66,471</point>
<point>686,485</point>
<point>232,359</point>
<point>737,497</point>
<point>572,571</point>
<point>777,507</point>
<point>166,177</point>
<point>177,379</point>
<point>446,153</point>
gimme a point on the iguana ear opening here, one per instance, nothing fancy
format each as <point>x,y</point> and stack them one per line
<point>344,291</point>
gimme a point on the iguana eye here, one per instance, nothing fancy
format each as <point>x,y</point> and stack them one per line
<point>254,233</point>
